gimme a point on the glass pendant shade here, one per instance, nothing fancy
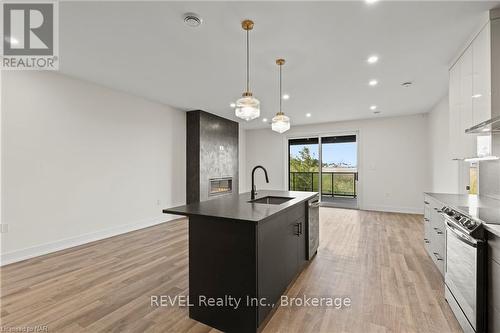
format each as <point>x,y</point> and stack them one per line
<point>281,123</point>
<point>248,108</point>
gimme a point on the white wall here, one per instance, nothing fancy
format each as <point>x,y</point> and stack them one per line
<point>444,171</point>
<point>393,161</point>
<point>81,162</point>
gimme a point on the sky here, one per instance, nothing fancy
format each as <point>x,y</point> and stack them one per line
<point>332,152</point>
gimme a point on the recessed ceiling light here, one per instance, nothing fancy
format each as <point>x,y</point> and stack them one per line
<point>372,59</point>
<point>477,96</point>
<point>373,83</point>
<point>373,107</point>
<point>233,105</point>
<point>286,96</point>
<point>264,120</point>
<point>192,20</point>
<point>308,115</point>
<point>371,1</point>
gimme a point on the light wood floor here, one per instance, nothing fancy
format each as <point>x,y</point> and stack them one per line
<point>376,259</point>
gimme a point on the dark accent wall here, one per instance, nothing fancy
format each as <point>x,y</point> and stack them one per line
<point>212,152</point>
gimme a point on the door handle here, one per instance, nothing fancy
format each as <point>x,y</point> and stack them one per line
<point>438,257</point>
<point>299,229</point>
<point>297,233</point>
<point>461,236</point>
<point>438,231</point>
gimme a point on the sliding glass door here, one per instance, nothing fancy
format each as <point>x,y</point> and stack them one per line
<point>303,164</point>
<point>339,172</point>
<point>337,156</point>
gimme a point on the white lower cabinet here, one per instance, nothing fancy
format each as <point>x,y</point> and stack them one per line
<point>434,232</point>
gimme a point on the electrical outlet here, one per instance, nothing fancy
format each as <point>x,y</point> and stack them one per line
<point>4,228</point>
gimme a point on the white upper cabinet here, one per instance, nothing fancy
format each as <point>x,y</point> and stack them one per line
<point>468,142</point>
<point>470,94</point>
<point>481,96</point>
<point>454,115</point>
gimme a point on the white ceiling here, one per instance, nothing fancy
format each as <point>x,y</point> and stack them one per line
<point>145,49</point>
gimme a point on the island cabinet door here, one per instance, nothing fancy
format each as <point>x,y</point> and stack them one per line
<point>291,258</point>
<point>281,251</point>
<point>272,264</point>
<point>298,239</point>
<point>222,264</point>
<point>302,245</point>
<point>296,245</point>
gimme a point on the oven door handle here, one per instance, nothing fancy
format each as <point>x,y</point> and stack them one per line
<point>464,238</point>
<point>314,204</point>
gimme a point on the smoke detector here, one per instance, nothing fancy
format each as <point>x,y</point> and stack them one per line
<point>192,20</point>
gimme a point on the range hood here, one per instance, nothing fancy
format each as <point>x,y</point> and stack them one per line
<point>489,126</point>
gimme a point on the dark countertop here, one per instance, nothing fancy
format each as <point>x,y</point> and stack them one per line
<point>237,207</point>
<point>481,208</point>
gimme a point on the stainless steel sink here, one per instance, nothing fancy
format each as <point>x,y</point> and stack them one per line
<point>270,200</point>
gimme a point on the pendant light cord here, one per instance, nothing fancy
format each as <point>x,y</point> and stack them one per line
<point>248,65</point>
<point>280,89</point>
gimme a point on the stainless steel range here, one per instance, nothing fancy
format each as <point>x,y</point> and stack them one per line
<point>465,276</point>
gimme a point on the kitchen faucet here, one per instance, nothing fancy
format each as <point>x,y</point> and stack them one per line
<point>254,189</point>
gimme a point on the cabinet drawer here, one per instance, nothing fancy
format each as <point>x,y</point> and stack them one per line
<point>428,248</point>
<point>434,235</point>
<point>427,207</point>
<point>427,231</point>
<point>437,220</point>
<point>439,244</point>
<point>438,259</point>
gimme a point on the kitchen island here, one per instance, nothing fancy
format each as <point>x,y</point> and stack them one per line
<point>243,254</point>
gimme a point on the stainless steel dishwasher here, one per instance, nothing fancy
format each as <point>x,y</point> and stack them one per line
<point>313,229</point>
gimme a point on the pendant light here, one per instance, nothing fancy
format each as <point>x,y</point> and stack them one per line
<point>247,107</point>
<point>281,123</point>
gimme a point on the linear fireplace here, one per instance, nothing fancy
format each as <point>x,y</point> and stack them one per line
<point>220,186</point>
<point>211,156</point>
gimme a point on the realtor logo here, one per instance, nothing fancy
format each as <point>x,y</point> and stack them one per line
<point>30,36</point>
